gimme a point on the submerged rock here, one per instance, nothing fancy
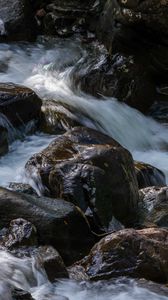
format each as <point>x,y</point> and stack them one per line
<point>3,140</point>
<point>129,252</point>
<point>91,170</point>
<point>148,175</point>
<point>21,295</point>
<point>58,222</point>
<point>154,206</point>
<point>22,188</point>
<point>19,104</point>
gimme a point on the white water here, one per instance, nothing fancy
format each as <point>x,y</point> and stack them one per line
<point>27,274</point>
<point>47,69</point>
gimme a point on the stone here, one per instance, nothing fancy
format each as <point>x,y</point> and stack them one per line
<point>154,206</point>
<point>22,188</point>
<point>3,140</point>
<point>129,252</point>
<point>19,104</point>
<point>148,175</point>
<point>122,76</point>
<point>58,222</point>
<point>56,118</point>
<point>16,20</point>
<point>92,170</point>
<point>20,233</point>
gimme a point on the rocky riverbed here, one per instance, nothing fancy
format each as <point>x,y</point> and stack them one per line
<point>83,150</point>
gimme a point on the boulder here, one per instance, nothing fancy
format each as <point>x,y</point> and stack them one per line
<point>148,175</point>
<point>92,170</point>
<point>16,20</point>
<point>56,118</point>
<point>154,206</point>
<point>122,76</point>
<point>58,222</point>
<point>134,253</point>
<point>19,104</point>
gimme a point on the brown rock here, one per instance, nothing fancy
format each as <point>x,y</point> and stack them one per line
<point>92,170</point>
<point>129,252</point>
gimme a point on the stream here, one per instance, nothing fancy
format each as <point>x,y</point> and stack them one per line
<point>47,67</point>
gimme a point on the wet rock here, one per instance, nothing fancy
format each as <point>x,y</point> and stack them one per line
<point>91,170</point>
<point>3,141</point>
<point>59,223</point>
<point>148,175</point>
<point>16,20</point>
<point>56,118</point>
<point>159,111</point>
<point>21,295</point>
<point>154,206</point>
<point>22,188</point>
<point>129,252</point>
<point>121,76</point>
<point>52,262</point>
<point>66,17</point>
<point>19,104</point>
<point>20,233</point>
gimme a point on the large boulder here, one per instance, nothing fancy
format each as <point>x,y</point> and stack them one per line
<point>122,76</point>
<point>91,170</point>
<point>19,104</point>
<point>129,252</point>
<point>148,175</point>
<point>58,223</point>
<point>154,206</point>
<point>16,20</point>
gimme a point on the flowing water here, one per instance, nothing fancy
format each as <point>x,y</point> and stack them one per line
<point>47,67</point>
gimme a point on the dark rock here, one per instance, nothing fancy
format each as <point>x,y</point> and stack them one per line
<point>148,175</point>
<point>154,206</point>
<point>22,188</point>
<point>59,223</point>
<point>21,295</point>
<point>122,76</point>
<point>16,20</point>
<point>51,261</point>
<point>3,140</point>
<point>19,233</point>
<point>66,17</point>
<point>159,111</point>
<point>129,252</point>
<point>56,118</point>
<point>92,170</point>
<point>19,104</point>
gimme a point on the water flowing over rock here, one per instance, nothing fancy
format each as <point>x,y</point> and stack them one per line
<point>59,223</point>
<point>16,20</point>
<point>148,175</point>
<point>154,206</point>
<point>91,170</point>
<point>56,118</point>
<point>129,252</point>
<point>19,104</point>
<point>122,76</point>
